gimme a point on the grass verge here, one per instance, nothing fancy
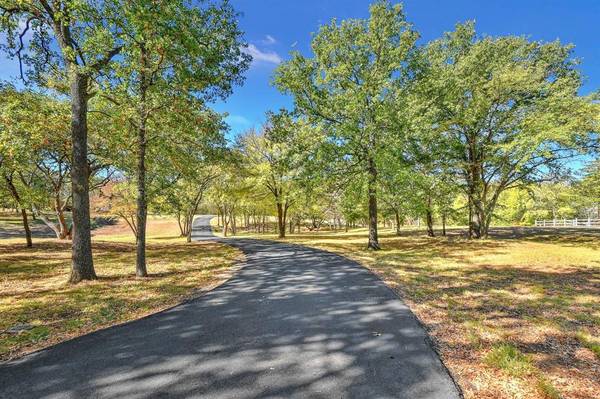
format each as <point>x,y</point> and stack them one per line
<point>35,298</point>
<point>512,317</point>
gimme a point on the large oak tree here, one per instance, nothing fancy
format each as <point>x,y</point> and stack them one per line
<point>348,87</point>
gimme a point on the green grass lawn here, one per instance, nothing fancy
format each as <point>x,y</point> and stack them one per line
<point>511,317</point>
<point>34,292</point>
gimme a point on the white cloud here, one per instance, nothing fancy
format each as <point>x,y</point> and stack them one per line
<point>294,44</point>
<point>262,56</point>
<point>238,120</point>
<point>268,40</point>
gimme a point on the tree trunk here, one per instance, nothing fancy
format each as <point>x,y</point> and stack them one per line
<point>373,237</point>
<point>82,267</point>
<point>397,215</point>
<point>140,264</point>
<point>15,194</point>
<point>49,224</point>
<point>429,217</point>
<point>444,224</point>
<point>191,213</point>
<point>26,227</point>
<point>225,223</point>
<point>280,220</point>
<point>487,219</point>
<point>63,230</point>
<point>478,219</point>
<point>181,226</point>
<point>142,200</point>
<point>189,223</point>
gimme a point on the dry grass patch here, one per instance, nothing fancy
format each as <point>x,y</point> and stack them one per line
<point>33,289</point>
<point>511,317</point>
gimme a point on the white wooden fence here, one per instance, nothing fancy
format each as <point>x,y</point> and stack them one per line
<point>585,222</point>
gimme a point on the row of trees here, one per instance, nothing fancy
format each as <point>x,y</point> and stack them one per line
<point>477,114</point>
<point>271,187</point>
<point>460,130</point>
<point>385,127</point>
<point>137,76</point>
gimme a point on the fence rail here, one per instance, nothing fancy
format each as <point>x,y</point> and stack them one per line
<point>584,222</point>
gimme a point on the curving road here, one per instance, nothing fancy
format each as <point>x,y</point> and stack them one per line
<point>294,322</point>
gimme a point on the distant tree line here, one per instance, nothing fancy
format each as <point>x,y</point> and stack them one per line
<point>114,101</point>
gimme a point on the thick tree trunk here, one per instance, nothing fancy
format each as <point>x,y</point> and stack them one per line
<point>397,215</point>
<point>280,220</point>
<point>429,218</point>
<point>82,267</point>
<point>487,214</point>
<point>142,200</point>
<point>373,237</point>
<point>142,207</point>
<point>26,228</point>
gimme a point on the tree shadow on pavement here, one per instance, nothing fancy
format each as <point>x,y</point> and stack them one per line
<point>295,322</point>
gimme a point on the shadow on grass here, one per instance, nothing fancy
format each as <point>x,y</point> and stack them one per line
<point>295,322</point>
<point>34,289</point>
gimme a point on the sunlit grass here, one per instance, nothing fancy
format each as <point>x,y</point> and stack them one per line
<point>590,342</point>
<point>34,292</point>
<point>512,317</point>
<point>509,359</point>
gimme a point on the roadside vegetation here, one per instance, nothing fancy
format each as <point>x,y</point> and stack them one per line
<point>512,317</point>
<point>388,136</point>
<point>38,308</point>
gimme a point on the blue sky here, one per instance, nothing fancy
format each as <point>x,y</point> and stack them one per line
<point>276,27</point>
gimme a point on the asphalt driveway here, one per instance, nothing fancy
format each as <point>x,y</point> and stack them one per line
<point>294,322</point>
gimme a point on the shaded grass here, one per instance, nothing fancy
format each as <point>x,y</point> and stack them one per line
<point>34,292</point>
<point>516,316</point>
